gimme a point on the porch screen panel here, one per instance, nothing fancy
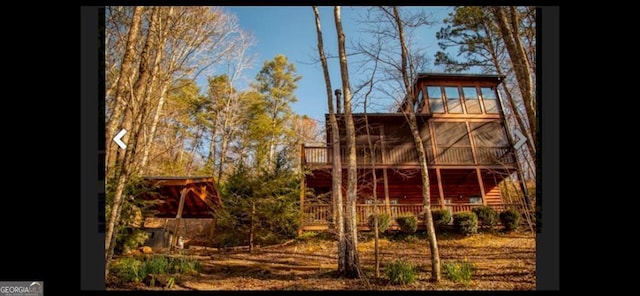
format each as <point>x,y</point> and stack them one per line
<point>425,134</point>
<point>452,143</point>
<point>491,141</point>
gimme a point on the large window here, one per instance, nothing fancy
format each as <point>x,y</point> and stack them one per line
<point>459,99</point>
<point>490,100</point>
<point>435,99</point>
<point>453,99</point>
<point>471,100</point>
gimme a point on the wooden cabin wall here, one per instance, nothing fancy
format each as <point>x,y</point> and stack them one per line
<point>405,185</point>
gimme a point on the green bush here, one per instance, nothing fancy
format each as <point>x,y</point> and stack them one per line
<point>275,195</point>
<point>157,265</point>
<point>408,223</point>
<point>136,270</point>
<point>465,223</point>
<point>441,218</point>
<point>312,236</point>
<point>459,271</point>
<point>185,266</point>
<point>401,272</point>
<point>129,270</point>
<point>487,216</point>
<point>383,222</point>
<point>510,219</point>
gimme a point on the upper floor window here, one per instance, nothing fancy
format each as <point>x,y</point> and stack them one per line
<point>435,99</point>
<point>471,100</point>
<point>490,100</point>
<point>458,99</point>
<point>453,99</point>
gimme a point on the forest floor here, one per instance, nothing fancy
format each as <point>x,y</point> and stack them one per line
<point>501,262</point>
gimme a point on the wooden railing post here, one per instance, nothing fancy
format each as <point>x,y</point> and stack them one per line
<point>183,194</point>
<point>302,183</point>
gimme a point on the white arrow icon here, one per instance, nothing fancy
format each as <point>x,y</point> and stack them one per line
<point>118,138</point>
<point>521,137</point>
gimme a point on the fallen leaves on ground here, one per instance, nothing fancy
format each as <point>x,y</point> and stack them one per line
<point>501,262</point>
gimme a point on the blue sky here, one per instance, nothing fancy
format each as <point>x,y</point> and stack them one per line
<point>291,31</point>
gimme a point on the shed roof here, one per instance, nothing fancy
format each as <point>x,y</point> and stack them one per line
<point>201,200</point>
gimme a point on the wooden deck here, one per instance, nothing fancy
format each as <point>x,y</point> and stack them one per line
<point>322,156</point>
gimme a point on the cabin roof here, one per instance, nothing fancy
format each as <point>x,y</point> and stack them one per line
<point>391,117</point>
<point>459,77</point>
<point>201,199</point>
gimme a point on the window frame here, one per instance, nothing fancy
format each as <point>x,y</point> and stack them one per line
<point>441,98</point>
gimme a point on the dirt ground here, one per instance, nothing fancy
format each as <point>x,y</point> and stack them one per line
<point>501,261</point>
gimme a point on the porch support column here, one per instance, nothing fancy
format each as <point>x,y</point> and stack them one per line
<point>183,194</point>
<point>440,190</point>
<point>386,191</point>
<point>302,185</point>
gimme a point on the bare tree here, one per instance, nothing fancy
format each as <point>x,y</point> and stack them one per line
<point>508,23</point>
<point>399,64</point>
<point>405,71</point>
<point>336,168</point>
<point>372,148</point>
<point>351,229</point>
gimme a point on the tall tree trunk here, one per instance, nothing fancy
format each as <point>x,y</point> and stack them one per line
<point>163,33</point>
<point>119,105</point>
<point>372,148</point>
<point>122,86</point>
<point>224,146</point>
<point>153,129</point>
<point>353,264</point>
<point>422,157</point>
<point>336,165</point>
<point>137,100</point>
<point>128,162</point>
<point>227,132</point>
<point>512,104</point>
<point>520,64</point>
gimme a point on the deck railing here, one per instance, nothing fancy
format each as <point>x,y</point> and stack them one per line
<point>493,155</point>
<point>322,215</point>
<point>409,155</point>
<point>454,155</point>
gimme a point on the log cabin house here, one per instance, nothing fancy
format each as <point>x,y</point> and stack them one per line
<point>468,149</point>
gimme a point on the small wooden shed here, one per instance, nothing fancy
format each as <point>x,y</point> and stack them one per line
<point>183,197</point>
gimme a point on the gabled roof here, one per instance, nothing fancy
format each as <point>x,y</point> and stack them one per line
<point>201,199</point>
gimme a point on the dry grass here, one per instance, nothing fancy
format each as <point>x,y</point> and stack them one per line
<point>501,261</point>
